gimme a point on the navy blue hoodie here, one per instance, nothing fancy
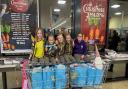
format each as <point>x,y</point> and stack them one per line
<point>79,47</point>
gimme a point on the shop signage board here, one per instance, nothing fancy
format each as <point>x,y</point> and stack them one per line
<point>18,22</point>
<point>93,20</point>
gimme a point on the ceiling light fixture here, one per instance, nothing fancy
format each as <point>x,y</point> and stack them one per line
<point>61,2</point>
<point>63,22</point>
<point>56,10</point>
<point>118,13</point>
<point>115,6</point>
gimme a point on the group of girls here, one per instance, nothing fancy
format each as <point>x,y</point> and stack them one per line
<point>62,49</point>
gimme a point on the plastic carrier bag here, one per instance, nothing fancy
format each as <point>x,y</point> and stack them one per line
<point>78,75</point>
<point>60,77</point>
<point>98,62</point>
<point>48,78</point>
<point>37,78</point>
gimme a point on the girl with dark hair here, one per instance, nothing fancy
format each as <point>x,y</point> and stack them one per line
<point>80,48</point>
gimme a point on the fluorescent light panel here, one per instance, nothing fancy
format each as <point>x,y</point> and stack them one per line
<point>118,13</point>
<point>61,2</point>
<point>63,22</point>
<point>115,6</point>
<point>56,10</point>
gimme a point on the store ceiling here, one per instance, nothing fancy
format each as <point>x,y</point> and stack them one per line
<point>47,7</point>
<point>123,7</point>
<point>49,17</point>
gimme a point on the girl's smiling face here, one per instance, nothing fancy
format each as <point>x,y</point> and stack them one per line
<point>68,38</point>
<point>60,38</point>
<point>39,34</point>
<point>51,40</point>
<point>79,37</point>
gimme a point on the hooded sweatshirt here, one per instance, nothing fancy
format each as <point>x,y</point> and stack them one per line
<point>79,47</point>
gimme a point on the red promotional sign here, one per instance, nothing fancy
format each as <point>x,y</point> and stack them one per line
<point>19,6</point>
<point>93,20</point>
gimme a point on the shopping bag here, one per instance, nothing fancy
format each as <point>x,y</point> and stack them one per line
<point>25,84</point>
<point>24,76</point>
<point>78,75</point>
<point>36,78</point>
<point>98,62</point>
<point>60,77</point>
<point>48,78</point>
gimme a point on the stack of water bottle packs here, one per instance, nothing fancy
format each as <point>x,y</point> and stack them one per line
<point>61,76</point>
<point>86,75</point>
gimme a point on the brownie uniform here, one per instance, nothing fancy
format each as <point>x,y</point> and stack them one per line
<point>68,52</point>
<point>50,54</point>
<point>60,53</point>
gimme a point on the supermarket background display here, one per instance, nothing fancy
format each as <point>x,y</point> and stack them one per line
<point>18,22</point>
<point>93,20</point>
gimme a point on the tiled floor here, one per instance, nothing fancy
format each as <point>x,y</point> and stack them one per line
<point>116,85</point>
<point>110,85</point>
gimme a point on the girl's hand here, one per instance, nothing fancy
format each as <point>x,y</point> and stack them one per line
<point>56,42</point>
<point>83,56</point>
<point>46,49</point>
<point>31,53</point>
<point>30,56</point>
<point>56,59</point>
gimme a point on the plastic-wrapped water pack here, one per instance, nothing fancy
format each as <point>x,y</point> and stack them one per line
<point>36,78</point>
<point>60,77</point>
<point>78,75</point>
<point>48,78</point>
<point>95,76</point>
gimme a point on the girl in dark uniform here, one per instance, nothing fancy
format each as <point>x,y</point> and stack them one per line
<point>69,44</point>
<point>50,50</point>
<point>60,49</point>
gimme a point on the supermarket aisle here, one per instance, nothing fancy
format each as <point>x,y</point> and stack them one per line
<point>116,85</point>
